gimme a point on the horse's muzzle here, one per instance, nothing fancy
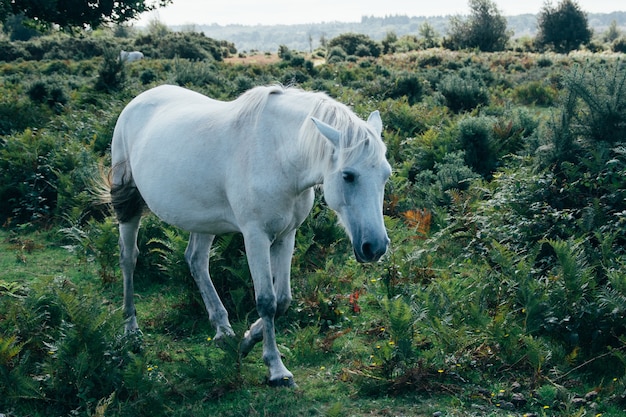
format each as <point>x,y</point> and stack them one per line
<point>371,251</point>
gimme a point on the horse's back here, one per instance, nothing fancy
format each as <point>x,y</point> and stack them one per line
<point>166,111</point>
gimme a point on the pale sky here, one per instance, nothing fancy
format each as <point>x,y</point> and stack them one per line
<point>272,12</point>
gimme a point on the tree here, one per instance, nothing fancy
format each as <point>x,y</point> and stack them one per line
<point>563,28</point>
<point>429,35</point>
<point>485,29</point>
<point>612,32</point>
<point>16,29</point>
<point>77,13</point>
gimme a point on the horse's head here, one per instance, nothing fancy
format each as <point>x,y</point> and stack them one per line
<point>354,185</point>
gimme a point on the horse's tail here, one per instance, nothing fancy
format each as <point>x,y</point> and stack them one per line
<point>124,196</point>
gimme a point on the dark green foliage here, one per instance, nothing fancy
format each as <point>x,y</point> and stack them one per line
<point>71,357</point>
<point>336,54</point>
<point>147,76</point>
<point>356,44</point>
<point>619,45</point>
<point>186,45</point>
<point>197,73</point>
<point>16,26</point>
<point>485,29</point>
<point>463,93</point>
<point>477,141</point>
<point>28,178</point>
<point>602,116</point>
<point>43,92</point>
<point>79,14</point>
<point>535,92</point>
<point>563,27</point>
<point>111,74</point>
<point>10,51</point>
<point>18,113</point>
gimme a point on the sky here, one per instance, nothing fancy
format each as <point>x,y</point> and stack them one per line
<point>273,12</point>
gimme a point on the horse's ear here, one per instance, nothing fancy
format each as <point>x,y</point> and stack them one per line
<point>328,131</point>
<point>375,121</point>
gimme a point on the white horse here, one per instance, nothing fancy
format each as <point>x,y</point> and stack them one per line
<point>248,166</point>
<point>130,56</point>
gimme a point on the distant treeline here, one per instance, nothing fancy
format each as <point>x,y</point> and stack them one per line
<point>305,37</point>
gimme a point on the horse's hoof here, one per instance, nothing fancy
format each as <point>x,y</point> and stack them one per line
<point>226,342</point>
<point>286,382</point>
<point>133,340</point>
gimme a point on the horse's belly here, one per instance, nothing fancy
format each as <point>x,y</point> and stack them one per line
<point>212,219</point>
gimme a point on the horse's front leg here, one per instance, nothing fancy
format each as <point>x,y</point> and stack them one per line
<point>197,256</point>
<point>258,252</point>
<point>281,252</point>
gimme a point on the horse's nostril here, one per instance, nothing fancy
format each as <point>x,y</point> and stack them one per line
<point>367,251</point>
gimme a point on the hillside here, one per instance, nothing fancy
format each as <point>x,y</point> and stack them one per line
<point>307,36</point>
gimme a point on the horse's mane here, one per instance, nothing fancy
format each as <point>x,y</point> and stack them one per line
<point>355,136</point>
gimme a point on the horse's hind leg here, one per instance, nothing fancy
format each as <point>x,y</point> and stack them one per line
<point>128,260</point>
<point>197,256</point>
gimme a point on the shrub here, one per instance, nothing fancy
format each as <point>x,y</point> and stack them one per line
<point>463,94</point>
<point>11,51</point>
<point>351,42</point>
<point>147,76</point>
<point>187,45</point>
<point>336,54</point>
<point>42,92</point>
<point>111,74</point>
<point>535,93</point>
<point>407,85</point>
<point>476,139</point>
<point>619,45</point>
<point>187,72</point>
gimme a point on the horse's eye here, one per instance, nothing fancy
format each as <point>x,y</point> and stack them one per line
<point>348,176</point>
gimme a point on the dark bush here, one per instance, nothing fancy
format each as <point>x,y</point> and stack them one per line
<point>43,92</point>
<point>535,93</point>
<point>18,113</point>
<point>11,51</point>
<point>336,54</point>
<point>463,94</point>
<point>147,76</point>
<point>188,45</point>
<point>476,139</point>
<point>619,45</point>
<point>353,42</point>
<point>111,74</point>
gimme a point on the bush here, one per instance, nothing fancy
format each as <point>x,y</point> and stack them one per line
<point>38,177</point>
<point>111,74</point>
<point>42,92</point>
<point>535,93</point>
<point>186,45</point>
<point>463,94</point>
<point>619,45</point>
<point>353,42</point>
<point>476,139</point>
<point>11,51</point>
<point>336,54</point>
<point>187,72</point>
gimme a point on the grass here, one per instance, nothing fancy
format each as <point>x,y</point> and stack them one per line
<point>189,375</point>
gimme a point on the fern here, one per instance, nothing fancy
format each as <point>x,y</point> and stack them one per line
<point>573,268</point>
<point>15,380</point>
